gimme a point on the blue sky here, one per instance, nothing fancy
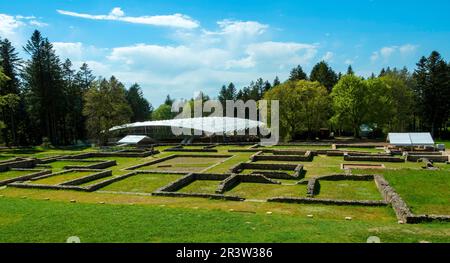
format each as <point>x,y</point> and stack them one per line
<point>171,47</point>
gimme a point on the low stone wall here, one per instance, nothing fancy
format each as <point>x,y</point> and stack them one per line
<point>33,173</point>
<point>88,178</point>
<point>209,196</point>
<point>18,163</point>
<point>50,187</point>
<point>355,145</point>
<point>178,184</point>
<point>305,157</point>
<point>312,186</point>
<point>400,207</point>
<point>49,159</point>
<point>327,201</point>
<point>433,158</point>
<point>207,150</point>
<point>64,172</point>
<point>233,180</point>
<point>123,153</point>
<point>271,169</point>
<point>349,177</point>
<point>424,153</point>
<point>160,160</point>
<point>373,158</point>
<point>104,183</point>
<point>97,164</point>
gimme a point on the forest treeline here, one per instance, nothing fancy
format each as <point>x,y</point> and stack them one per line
<point>43,99</point>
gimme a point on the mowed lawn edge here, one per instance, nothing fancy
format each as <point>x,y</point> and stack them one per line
<point>56,221</point>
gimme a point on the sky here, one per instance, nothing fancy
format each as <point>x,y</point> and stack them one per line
<point>183,47</point>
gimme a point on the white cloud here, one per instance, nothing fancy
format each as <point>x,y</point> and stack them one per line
<point>408,49</point>
<point>116,14</point>
<point>387,52</point>
<point>9,26</point>
<point>349,61</point>
<point>238,51</point>
<point>38,23</point>
<point>328,56</point>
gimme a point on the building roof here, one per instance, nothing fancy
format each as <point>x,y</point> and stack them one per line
<point>134,139</point>
<point>411,139</point>
<point>216,125</point>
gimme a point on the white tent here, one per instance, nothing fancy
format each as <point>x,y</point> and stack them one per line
<point>410,139</point>
<point>214,125</point>
<point>135,139</point>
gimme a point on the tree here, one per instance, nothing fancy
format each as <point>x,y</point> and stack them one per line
<point>84,77</point>
<point>402,101</point>
<point>139,105</point>
<point>304,107</point>
<point>324,74</point>
<point>12,117</point>
<point>433,91</point>
<point>105,106</point>
<point>350,103</point>
<point>44,89</point>
<point>350,70</point>
<point>227,93</point>
<point>297,73</point>
<point>163,112</point>
<point>276,82</point>
<point>169,101</point>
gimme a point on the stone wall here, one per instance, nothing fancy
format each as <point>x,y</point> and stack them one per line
<point>233,180</point>
<point>400,207</point>
<point>18,163</point>
<point>433,158</point>
<point>209,196</point>
<point>271,169</point>
<point>373,158</point>
<point>33,173</point>
<point>327,201</point>
<point>97,164</point>
<point>88,178</point>
<point>282,156</point>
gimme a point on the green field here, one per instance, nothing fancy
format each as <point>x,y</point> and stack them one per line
<point>174,219</point>
<point>348,190</point>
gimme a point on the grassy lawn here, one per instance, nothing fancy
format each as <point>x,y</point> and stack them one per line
<point>184,164</point>
<point>201,186</point>
<point>61,178</point>
<point>349,190</point>
<point>426,192</point>
<point>49,222</point>
<point>265,191</point>
<point>171,219</point>
<point>141,183</point>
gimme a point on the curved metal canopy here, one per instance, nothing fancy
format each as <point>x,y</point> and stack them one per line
<point>216,125</point>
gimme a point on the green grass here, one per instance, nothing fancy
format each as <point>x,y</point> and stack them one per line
<point>265,191</point>
<point>142,183</point>
<point>56,221</point>
<point>426,192</point>
<point>184,164</point>
<point>348,190</point>
<point>201,186</point>
<point>178,221</point>
<point>61,178</point>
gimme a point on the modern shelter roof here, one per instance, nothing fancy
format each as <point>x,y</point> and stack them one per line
<point>217,125</point>
<point>410,139</point>
<point>134,139</point>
